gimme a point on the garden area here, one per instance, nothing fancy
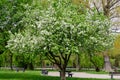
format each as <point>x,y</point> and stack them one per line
<point>59,39</point>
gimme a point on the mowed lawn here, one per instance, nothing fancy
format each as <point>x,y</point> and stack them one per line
<point>31,75</point>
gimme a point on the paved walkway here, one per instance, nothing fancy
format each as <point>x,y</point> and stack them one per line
<point>86,75</point>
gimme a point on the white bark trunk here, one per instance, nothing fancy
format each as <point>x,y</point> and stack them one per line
<point>107,64</point>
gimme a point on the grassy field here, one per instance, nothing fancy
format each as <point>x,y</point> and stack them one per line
<point>31,75</point>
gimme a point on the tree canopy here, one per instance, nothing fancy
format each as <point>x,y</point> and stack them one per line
<point>60,30</point>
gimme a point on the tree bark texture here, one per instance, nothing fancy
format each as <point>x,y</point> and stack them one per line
<point>77,62</point>
<point>107,64</point>
<point>60,60</point>
<point>62,75</point>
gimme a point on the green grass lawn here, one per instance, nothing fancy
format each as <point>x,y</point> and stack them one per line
<point>31,75</point>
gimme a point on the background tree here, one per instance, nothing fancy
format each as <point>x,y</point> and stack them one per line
<point>111,9</point>
<point>115,51</point>
<point>94,44</point>
<point>11,12</point>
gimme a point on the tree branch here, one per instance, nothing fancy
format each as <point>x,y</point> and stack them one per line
<point>62,55</point>
<point>96,8</point>
<point>65,62</point>
<point>114,16</point>
<point>108,2</point>
<point>69,57</point>
<point>50,58</point>
<point>51,54</point>
<point>114,7</point>
<point>103,4</point>
<point>112,4</point>
<point>53,57</point>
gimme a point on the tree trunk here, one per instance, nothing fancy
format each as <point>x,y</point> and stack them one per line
<point>11,67</point>
<point>74,65</point>
<point>107,65</point>
<point>97,69</point>
<point>30,66</point>
<point>77,62</point>
<point>62,75</point>
<point>43,64</point>
<point>117,61</point>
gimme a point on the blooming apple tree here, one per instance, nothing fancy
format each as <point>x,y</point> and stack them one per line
<point>60,31</point>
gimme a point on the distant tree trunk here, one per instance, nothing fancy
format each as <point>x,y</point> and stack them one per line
<point>30,66</point>
<point>11,62</point>
<point>107,64</point>
<point>43,64</point>
<point>74,64</point>
<point>55,66</point>
<point>117,61</point>
<point>97,68</point>
<point>77,62</point>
